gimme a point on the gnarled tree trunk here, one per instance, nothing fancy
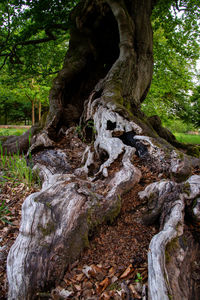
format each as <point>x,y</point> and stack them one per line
<point>106,75</point>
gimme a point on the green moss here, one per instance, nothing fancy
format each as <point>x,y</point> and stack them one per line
<point>48,204</point>
<point>180,155</point>
<point>183,241</point>
<point>186,188</point>
<point>170,248</point>
<point>114,286</point>
<point>194,203</point>
<point>170,296</point>
<point>50,227</point>
<point>93,219</point>
<point>194,151</point>
<point>113,213</point>
<point>85,240</point>
<point>167,256</point>
<point>151,197</point>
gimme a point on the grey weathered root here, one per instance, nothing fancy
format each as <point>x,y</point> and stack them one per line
<point>166,202</point>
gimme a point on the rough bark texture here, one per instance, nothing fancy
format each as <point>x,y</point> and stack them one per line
<point>106,75</point>
<point>173,253</point>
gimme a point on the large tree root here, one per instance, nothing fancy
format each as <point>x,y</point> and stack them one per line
<point>172,252</point>
<point>56,221</point>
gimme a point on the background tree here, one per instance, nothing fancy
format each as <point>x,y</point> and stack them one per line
<point>37,48</point>
<point>16,98</point>
<point>176,50</point>
<point>194,107</point>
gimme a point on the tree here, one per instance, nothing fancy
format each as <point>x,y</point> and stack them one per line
<point>174,65</point>
<point>194,108</point>
<point>106,75</point>
<point>17,97</point>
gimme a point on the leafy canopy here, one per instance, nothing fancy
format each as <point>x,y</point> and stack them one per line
<point>176,51</point>
<point>34,38</point>
<point>34,34</point>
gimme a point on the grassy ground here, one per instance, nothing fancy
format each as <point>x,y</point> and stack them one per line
<point>181,137</point>
<point>12,131</point>
<point>188,138</point>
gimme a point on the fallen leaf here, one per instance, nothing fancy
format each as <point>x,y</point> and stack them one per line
<point>134,292</point>
<point>86,270</point>
<point>87,285</point>
<point>104,283</point>
<point>97,273</point>
<point>127,271</point>
<point>111,272</point>
<point>79,277</point>
<point>77,287</point>
<point>114,279</point>
<point>105,296</point>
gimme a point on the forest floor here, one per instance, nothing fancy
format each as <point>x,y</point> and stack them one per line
<point>114,266</point>
<point>117,252</point>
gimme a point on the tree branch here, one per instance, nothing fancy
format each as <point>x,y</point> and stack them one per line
<point>177,7</point>
<point>4,62</point>
<point>50,37</point>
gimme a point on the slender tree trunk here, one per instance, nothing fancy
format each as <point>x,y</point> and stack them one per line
<point>39,110</point>
<point>106,75</point>
<point>33,112</point>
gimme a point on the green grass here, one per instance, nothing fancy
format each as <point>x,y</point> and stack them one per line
<point>4,213</point>
<point>12,131</point>
<point>187,138</point>
<point>13,172</point>
<point>14,168</point>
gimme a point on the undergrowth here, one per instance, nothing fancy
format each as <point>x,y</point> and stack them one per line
<point>4,213</point>
<point>12,131</point>
<point>14,169</point>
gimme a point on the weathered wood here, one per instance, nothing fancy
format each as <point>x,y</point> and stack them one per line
<point>161,286</point>
<point>56,221</point>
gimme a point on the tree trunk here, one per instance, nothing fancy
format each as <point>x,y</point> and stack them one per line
<point>106,75</point>
<point>39,110</point>
<point>33,112</point>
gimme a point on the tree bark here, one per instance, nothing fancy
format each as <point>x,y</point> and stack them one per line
<point>33,112</point>
<point>39,110</point>
<point>106,75</point>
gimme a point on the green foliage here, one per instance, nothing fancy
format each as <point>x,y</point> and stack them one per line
<point>176,50</point>
<point>194,115</point>
<point>90,124</point>
<point>79,131</point>
<point>15,168</point>
<point>33,34</point>
<point>33,42</point>
<point>139,278</point>
<point>16,99</point>
<point>34,37</point>
<point>177,125</point>
<point>4,213</point>
<point>187,138</point>
<point>11,131</point>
